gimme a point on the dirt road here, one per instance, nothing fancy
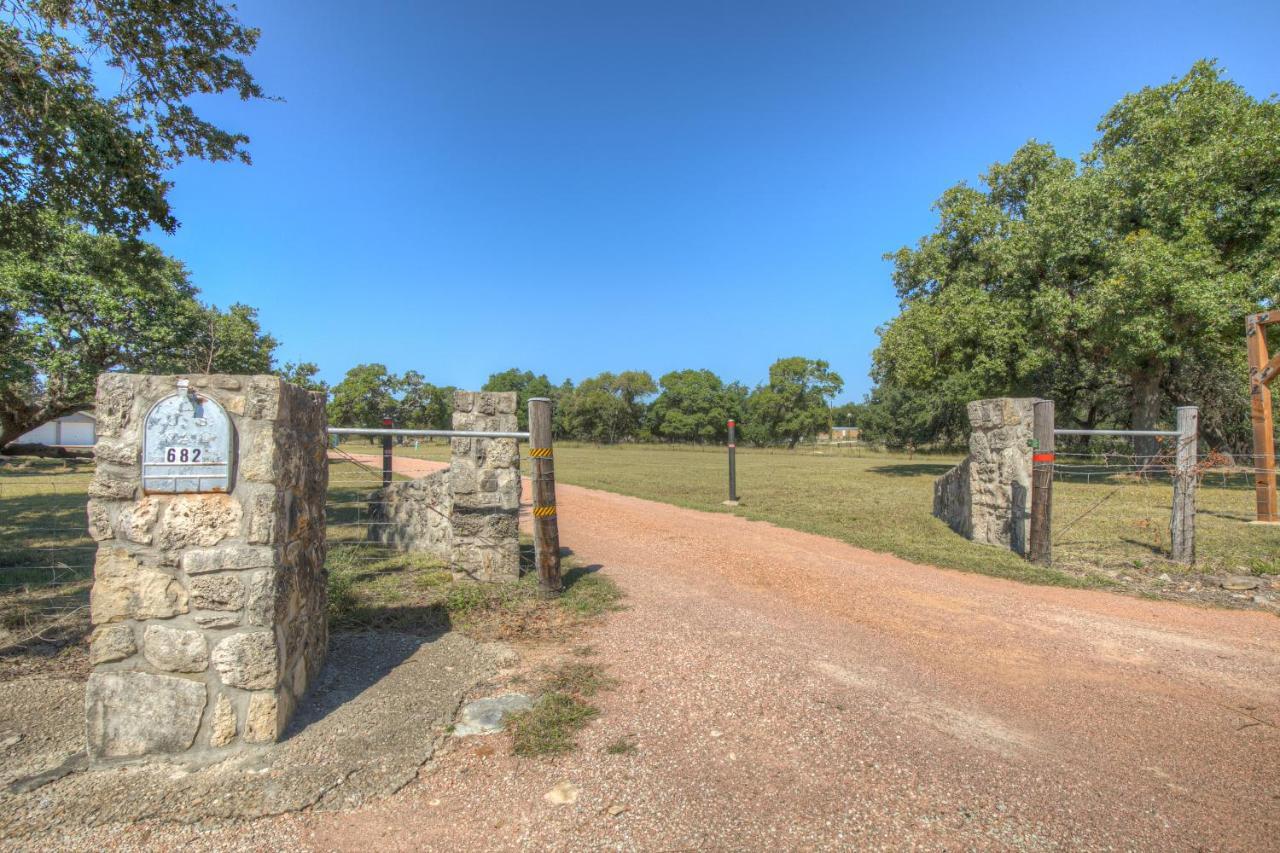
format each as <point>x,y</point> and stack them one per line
<point>787,691</point>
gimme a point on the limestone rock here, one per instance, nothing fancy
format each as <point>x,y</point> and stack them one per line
<point>261,598</point>
<point>259,518</point>
<point>113,406</point>
<point>258,463</point>
<point>987,498</point>
<point>110,483</point>
<point>262,402</point>
<point>199,520</point>
<point>124,590</point>
<point>136,713</point>
<point>136,521</point>
<point>174,649</point>
<point>216,592</point>
<point>100,524</point>
<point>120,453</point>
<point>1238,582</point>
<point>223,728</point>
<point>228,558</point>
<point>486,716</point>
<point>216,619</point>
<point>564,794</point>
<point>262,723</point>
<point>111,643</point>
<point>248,660</point>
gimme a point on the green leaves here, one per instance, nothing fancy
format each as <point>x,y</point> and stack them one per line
<point>695,406</point>
<point>1106,285</point>
<point>95,303</point>
<point>370,392</point>
<point>794,403</point>
<point>526,385</point>
<point>66,146</point>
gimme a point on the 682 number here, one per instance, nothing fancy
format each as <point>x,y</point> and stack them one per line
<point>182,454</point>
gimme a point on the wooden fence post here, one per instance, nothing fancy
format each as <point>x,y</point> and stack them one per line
<point>1264,444</point>
<point>1182,526</point>
<point>1041,550</point>
<point>546,530</point>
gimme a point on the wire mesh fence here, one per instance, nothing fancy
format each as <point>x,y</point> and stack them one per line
<point>46,554</point>
<point>359,530</point>
<point>1112,508</point>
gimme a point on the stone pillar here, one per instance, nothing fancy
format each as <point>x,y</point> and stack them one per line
<point>209,605</point>
<point>987,497</point>
<point>484,479</point>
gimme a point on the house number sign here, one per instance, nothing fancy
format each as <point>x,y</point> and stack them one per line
<point>186,445</point>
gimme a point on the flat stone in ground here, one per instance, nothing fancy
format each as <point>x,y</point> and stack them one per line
<point>486,716</point>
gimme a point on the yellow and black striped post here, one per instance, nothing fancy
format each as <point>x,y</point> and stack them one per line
<point>546,530</point>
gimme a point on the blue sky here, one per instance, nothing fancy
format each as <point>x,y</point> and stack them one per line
<point>572,187</point>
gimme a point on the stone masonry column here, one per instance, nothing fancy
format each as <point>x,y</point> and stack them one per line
<point>484,477</point>
<point>209,587</point>
<point>987,497</point>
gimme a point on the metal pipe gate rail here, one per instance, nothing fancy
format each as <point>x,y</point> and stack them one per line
<point>1182,527</point>
<point>546,530</point>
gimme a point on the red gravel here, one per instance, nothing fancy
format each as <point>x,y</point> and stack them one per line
<point>787,691</point>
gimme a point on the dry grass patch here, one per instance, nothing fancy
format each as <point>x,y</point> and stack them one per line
<point>548,727</point>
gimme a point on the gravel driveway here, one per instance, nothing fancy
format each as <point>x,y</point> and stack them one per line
<point>784,690</point>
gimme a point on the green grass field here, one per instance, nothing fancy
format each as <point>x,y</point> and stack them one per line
<point>1109,532</point>
<point>1105,531</point>
<point>46,569</point>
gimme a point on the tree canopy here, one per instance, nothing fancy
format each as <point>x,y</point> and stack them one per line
<point>1116,286</point>
<point>526,385</point>
<point>95,107</point>
<point>369,392</point>
<point>794,403</point>
<point>695,406</point>
<point>609,407</point>
<point>99,304</point>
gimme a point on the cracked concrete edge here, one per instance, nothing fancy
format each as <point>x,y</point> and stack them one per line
<point>73,763</point>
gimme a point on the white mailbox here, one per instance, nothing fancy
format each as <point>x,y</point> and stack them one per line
<point>187,445</point>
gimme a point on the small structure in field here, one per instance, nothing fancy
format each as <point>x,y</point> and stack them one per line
<point>840,434</point>
<point>77,430</point>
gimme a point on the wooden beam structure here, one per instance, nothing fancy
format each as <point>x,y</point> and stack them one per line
<point>1263,369</point>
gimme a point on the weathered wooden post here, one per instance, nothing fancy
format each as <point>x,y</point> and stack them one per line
<point>1263,369</point>
<point>1182,528</point>
<point>386,454</point>
<point>1041,550</point>
<point>546,530</point>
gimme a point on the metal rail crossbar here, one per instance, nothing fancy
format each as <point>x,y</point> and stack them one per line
<point>1183,518</point>
<point>426,433</point>
<point>1142,432</point>
<point>546,534</point>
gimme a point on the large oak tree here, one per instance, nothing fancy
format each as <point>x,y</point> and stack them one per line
<point>95,106</point>
<point>1116,286</point>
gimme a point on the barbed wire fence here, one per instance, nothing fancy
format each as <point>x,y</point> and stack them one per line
<point>1125,471</point>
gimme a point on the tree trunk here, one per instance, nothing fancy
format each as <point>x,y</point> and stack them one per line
<point>1145,412</point>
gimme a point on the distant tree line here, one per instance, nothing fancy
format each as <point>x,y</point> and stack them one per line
<point>681,406</point>
<point>1116,286</point>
